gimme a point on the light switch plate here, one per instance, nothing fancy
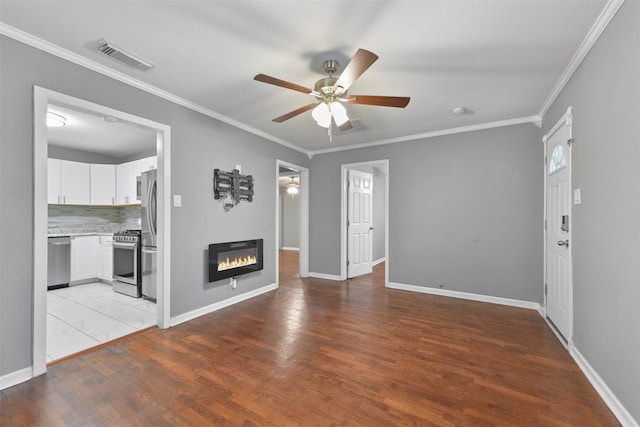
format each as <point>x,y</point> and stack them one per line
<point>577,196</point>
<point>177,200</point>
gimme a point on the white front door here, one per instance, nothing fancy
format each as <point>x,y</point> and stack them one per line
<point>360,223</point>
<point>559,296</point>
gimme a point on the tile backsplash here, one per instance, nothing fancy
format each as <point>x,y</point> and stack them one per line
<point>67,219</point>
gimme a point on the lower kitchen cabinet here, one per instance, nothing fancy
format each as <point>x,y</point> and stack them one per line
<point>105,259</point>
<point>84,257</point>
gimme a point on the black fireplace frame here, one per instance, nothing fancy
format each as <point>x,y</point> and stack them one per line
<point>216,248</point>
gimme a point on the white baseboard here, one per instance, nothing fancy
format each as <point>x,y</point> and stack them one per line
<point>17,377</point>
<point>465,295</point>
<point>185,317</point>
<point>288,248</point>
<point>621,413</point>
<point>325,276</point>
<point>378,261</point>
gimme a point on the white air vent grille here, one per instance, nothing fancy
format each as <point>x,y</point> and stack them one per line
<point>124,57</point>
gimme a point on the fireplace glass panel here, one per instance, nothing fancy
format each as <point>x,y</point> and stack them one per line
<point>231,259</point>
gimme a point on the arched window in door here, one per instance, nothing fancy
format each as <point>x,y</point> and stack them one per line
<point>558,159</point>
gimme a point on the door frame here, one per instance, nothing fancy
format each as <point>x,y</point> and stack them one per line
<point>304,218</point>
<point>42,98</point>
<point>565,120</point>
<point>384,164</point>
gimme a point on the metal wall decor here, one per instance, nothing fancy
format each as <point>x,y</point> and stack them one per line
<point>232,187</point>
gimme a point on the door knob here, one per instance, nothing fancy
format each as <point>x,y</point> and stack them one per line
<point>563,243</point>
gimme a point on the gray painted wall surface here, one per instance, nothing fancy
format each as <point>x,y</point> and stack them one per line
<point>199,144</point>
<point>64,153</point>
<point>378,213</point>
<point>289,220</point>
<point>465,210</point>
<point>604,93</point>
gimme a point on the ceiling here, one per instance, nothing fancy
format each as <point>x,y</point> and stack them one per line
<point>500,60</point>
<point>104,135</point>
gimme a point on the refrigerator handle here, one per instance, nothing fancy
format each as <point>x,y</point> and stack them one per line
<point>151,209</point>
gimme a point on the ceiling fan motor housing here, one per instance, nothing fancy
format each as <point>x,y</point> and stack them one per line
<point>325,85</point>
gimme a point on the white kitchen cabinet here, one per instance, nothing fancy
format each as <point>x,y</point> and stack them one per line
<point>84,257</point>
<point>103,184</point>
<point>105,259</point>
<point>69,183</point>
<point>126,184</point>
<point>53,182</point>
<point>75,180</point>
<point>126,174</point>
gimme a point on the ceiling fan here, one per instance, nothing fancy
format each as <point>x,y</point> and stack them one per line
<point>331,92</point>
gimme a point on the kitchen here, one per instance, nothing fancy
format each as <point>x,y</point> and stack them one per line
<point>102,187</point>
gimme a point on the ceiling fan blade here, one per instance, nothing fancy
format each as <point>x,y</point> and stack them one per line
<point>360,62</point>
<point>345,126</point>
<point>293,113</point>
<point>277,82</point>
<point>383,101</point>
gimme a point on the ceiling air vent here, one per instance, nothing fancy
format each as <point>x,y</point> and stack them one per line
<point>124,57</point>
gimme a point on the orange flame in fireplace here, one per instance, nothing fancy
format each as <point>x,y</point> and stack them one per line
<point>237,262</point>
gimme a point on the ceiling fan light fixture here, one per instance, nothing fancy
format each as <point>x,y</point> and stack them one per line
<point>293,187</point>
<point>322,115</point>
<point>339,113</point>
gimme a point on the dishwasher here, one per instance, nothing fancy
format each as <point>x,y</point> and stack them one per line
<point>59,262</point>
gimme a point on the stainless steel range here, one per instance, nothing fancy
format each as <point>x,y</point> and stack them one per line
<point>127,263</point>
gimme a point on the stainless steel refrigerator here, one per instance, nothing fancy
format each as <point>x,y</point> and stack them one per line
<point>148,192</point>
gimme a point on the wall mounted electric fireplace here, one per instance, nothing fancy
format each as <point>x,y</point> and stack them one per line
<point>232,259</point>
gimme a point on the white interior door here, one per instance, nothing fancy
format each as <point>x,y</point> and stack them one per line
<point>559,295</point>
<point>360,223</point>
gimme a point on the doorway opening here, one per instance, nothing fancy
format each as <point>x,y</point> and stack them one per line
<point>44,100</point>
<point>292,219</point>
<point>377,229</point>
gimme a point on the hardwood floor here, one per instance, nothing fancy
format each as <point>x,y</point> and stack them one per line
<point>323,353</point>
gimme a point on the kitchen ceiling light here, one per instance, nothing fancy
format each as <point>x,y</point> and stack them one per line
<point>55,120</point>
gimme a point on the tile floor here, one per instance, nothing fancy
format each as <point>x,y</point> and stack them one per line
<point>83,316</point>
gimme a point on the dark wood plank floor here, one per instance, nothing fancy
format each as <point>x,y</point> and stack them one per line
<point>322,353</point>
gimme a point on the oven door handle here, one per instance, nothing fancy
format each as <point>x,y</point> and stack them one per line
<point>124,245</point>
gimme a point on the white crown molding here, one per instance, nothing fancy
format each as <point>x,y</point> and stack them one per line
<point>55,50</point>
<point>433,134</point>
<point>594,33</point>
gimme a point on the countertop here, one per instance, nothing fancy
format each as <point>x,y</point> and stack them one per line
<point>64,232</point>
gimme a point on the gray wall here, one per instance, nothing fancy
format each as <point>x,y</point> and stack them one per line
<point>379,192</point>
<point>199,144</point>
<point>465,210</point>
<point>605,95</point>
<point>64,153</point>
<point>289,219</point>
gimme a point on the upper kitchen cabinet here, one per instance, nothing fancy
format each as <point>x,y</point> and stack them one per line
<point>126,174</point>
<point>69,182</point>
<point>103,184</point>
<point>54,188</point>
